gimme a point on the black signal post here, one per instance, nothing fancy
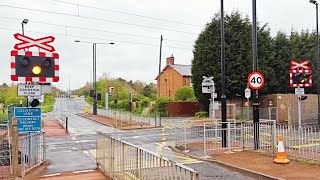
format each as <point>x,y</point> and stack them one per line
<point>255,68</point>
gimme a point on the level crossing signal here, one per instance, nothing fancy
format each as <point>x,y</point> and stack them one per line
<point>300,74</point>
<point>30,66</point>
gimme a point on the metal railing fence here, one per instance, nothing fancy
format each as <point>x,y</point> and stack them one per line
<point>5,152</point>
<point>122,160</point>
<point>31,151</point>
<point>245,113</point>
<point>267,135</point>
<point>213,134</point>
<point>123,118</point>
<point>299,142</point>
<point>63,120</point>
<point>188,134</point>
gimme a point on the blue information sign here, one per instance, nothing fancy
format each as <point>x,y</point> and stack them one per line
<point>24,111</point>
<point>29,119</point>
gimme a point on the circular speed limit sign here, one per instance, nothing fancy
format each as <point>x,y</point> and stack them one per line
<point>256,80</point>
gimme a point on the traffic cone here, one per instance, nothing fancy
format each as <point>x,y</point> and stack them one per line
<point>281,155</point>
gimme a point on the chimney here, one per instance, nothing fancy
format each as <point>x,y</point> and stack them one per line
<point>170,60</point>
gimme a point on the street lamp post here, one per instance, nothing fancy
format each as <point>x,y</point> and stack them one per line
<point>25,21</point>
<point>95,102</point>
<point>223,81</point>
<point>318,83</point>
<point>255,68</point>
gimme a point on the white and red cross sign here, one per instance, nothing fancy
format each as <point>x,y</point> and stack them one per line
<point>300,69</point>
<point>41,43</point>
<point>28,42</point>
<point>299,65</point>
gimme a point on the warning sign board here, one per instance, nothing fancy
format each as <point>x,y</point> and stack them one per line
<point>29,90</point>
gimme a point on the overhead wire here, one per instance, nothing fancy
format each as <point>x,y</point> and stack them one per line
<point>102,39</point>
<point>93,18</point>
<point>92,29</point>
<point>126,13</point>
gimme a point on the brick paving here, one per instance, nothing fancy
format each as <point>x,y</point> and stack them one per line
<point>262,163</point>
<point>53,128</point>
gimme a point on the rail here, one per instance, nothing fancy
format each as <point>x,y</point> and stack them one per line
<point>122,160</point>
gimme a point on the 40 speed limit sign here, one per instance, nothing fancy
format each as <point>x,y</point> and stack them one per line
<point>256,80</point>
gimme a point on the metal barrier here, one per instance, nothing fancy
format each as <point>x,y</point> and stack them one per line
<point>239,136</point>
<point>267,135</point>
<point>213,134</point>
<point>63,120</point>
<point>122,160</point>
<point>188,134</point>
<point>31,151</point>
<point>5,152</point>
<point>301,142</point>
<point>123,118</point>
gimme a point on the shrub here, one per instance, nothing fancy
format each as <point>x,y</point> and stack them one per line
<point>202,114</point>
<point>144,102</point>
<point>88,99</point>
<point>184,93</point>
<point>161,105</point>
<point>124,105</point>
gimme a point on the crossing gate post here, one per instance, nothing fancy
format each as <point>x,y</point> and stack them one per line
<point>15,146</point>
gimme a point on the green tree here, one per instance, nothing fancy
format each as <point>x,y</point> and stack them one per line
<point>281,64</point>
<point>149,90</point>
<point>238,42</point>
<point>184,93</point>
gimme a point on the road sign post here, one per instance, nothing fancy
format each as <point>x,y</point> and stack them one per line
<point>208,87</point>
<point>29,119</point>
<point>301,76</point>
<point>256,82</point>
<point>247,94</point>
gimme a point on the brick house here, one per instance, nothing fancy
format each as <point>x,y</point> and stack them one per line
<point>172,77</point>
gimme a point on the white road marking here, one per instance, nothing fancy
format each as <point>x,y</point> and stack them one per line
<point>50,175</point>
<point>83,171</point>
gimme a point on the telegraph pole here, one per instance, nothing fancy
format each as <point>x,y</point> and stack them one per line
<point>161,39</point>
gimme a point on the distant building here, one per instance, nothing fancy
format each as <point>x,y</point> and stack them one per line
<point>172,77</point>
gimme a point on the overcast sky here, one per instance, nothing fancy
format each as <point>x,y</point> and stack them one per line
<point>134,56</point>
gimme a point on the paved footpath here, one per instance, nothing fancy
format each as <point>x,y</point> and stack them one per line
<point>64,152</point>
<point>262,163</point>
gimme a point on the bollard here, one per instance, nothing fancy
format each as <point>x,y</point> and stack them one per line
<point>66,124</point>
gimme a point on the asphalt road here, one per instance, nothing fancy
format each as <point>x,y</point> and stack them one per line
<point>79,149</point>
